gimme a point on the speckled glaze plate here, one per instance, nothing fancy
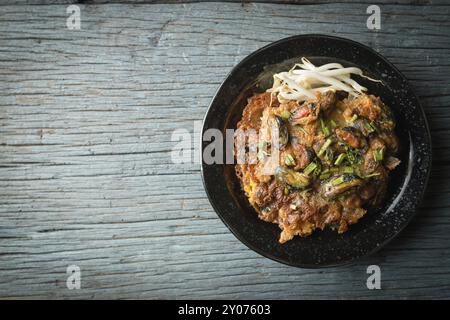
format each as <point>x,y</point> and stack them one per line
<point>407,184</point>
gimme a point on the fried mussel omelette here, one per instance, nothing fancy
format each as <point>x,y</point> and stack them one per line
<point>335,153</point>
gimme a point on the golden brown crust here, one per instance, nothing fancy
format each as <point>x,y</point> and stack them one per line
<point>321,202</point>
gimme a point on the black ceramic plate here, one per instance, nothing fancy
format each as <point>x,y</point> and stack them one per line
<point>406,188</point>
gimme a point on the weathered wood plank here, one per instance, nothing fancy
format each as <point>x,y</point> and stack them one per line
<point>243,2</point>
<point>85,170</point>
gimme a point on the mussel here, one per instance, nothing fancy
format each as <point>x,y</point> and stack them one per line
<point>277,123</point>
<point>337,185</point>
<point>292,178</point>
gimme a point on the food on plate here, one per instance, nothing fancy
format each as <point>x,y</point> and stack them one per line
<point>325,149</point>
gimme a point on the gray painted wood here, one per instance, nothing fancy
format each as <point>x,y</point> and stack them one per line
<point>85,171</point>
<point>243,2</point>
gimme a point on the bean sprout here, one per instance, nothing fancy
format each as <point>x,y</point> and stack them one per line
<point>305,80</point>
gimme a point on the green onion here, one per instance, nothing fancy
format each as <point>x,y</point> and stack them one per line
<point>339,159</point>
<point>329,155</point>
<point>354,157</point>
<point>348,170</point>
<point>334,169</point>
<point>372,175</point>
<point>285,114</point>
<point>310,168</point>
<point>368,127</point>
<point>324,176</point>
<point>289,160</point>
<point>337,181</point>
<point>324,147</point>
<point>378,155</point>
<point>374,126</point>
<point>355,116</point>
<point>325,129</point>
<point>333,124</point>
<point>286,190</point>
<point>317,171</point>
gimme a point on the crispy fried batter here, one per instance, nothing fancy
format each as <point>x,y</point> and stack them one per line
<point>333,197</point>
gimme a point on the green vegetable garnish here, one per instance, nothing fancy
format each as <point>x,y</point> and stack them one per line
<point>333,124</point>
<point>378,155</point>
<point>348,170</point>
<point>325,129</point>
<point>337,181</point>
<point>339,159</point>
<point>354,157</point>
<point>324,147</point>
<point>310,168</point>
<point>286,190</point>
<point>285,114</point>
<point>289,160</point>
<point>355,116</point>
<point>324,176</point>
<point>368,127</point>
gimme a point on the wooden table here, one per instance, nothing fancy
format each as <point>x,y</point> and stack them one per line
<point>86,176</point>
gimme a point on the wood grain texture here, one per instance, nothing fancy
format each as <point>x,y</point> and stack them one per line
<point>86,176</point>
<point>242,2</point>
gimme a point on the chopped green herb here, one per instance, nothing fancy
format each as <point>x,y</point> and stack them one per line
<point>378,155</point>
<point>289,160</point>
<point>285,114</point>
<point>286,190</point>
<point>354,157</point>
<point>324,147</point>
<point>348,170</point>
<point>334,169</point>
<point>325,129</point>
<point>324,176</point>
<point>355,116</point>
<point>374,126</point>
<point>333,124</point>
<point>329,155</point>
<point>337,181</point>
<point>317,171</point>
<point>368,126</point>
<point>339,159</point>
<point>310,168</point>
